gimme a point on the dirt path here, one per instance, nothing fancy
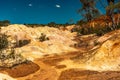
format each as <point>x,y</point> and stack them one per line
<point>49,68</point>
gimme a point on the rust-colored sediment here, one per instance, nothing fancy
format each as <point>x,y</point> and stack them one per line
<point>76,74</point>
<point>22,69</point>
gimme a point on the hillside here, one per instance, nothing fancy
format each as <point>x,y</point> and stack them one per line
<point>61,55</point>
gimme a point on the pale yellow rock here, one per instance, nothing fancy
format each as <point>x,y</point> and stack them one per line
<point>5,77</point>
<point>107,57</point>
<point>59,41</point>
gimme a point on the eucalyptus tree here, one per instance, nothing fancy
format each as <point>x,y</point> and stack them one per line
<point>88,9</point>
<point>112,7</point>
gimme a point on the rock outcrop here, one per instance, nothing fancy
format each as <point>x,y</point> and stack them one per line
<point>59,41</point>
<point>101,62</point>
<point>107,56</point>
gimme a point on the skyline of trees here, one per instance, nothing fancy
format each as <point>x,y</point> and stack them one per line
<point>4,23</point>
<point>88,10</point>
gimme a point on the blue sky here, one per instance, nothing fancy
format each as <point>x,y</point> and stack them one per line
<point>41,11</point>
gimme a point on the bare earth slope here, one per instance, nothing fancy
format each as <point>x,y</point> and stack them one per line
<point>59,41</point>
<point>55,59</point>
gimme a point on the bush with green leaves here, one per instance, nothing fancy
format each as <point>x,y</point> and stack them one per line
<point>3,41</point>
<point>8,58</point>
<point>4,23</point>
<point>99,30</point>
<point>43,37</point>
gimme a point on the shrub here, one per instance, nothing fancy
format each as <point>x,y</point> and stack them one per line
<point>8,58</point>
<point>43,37</point>
<point>52,24</point>
<point>4,23</point>
<point>3,41</point>
<point>99,30</point>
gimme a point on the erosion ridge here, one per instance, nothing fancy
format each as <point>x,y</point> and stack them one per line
<point>58,59</point>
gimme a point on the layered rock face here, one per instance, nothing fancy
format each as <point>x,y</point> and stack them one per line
<point>107,56</point>
<point>96,63</point>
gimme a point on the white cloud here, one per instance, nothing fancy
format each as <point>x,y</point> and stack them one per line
<point>58,6</point>
<point>30,5</point>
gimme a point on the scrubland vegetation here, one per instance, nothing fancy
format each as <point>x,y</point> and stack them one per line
<point>89,12</point>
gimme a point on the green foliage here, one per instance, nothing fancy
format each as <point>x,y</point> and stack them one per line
<point>81,22</point>
<point>52,24</point>
<point>4,23</point>
<point>98,30</point>
<point>34,25</point>
<point>6,55</point>
<point>88,10</point>
<point>43,37</point>
<point>112,7</point>
<point>3,41</point>
<point>8,58</point>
